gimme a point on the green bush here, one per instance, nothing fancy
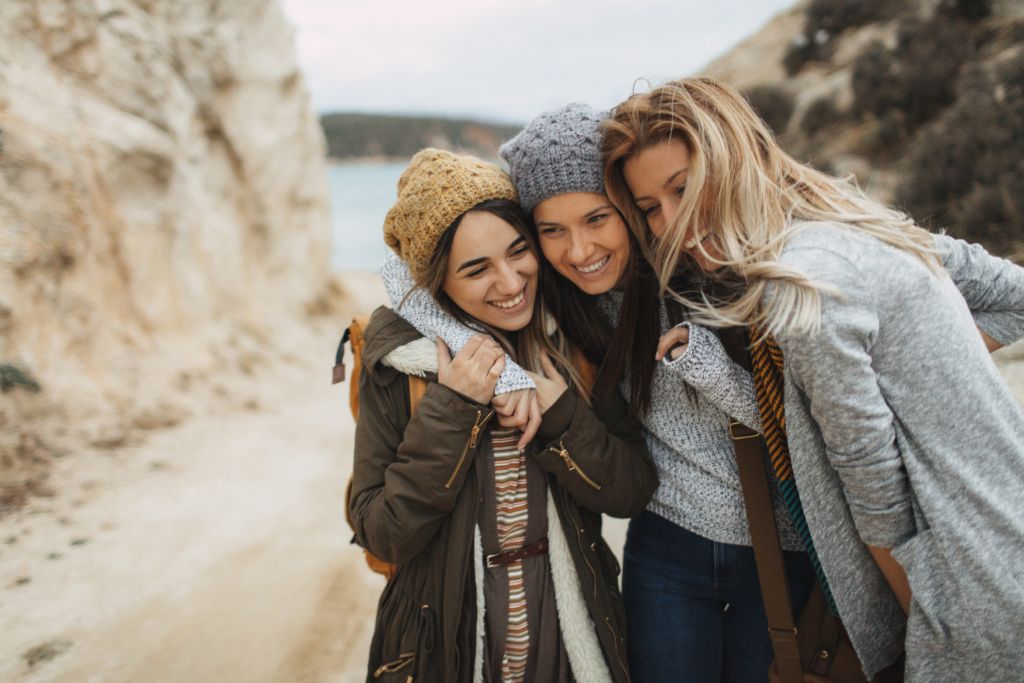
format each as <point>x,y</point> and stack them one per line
<point>12,377</point>
<point>917,77</point>
<point>773,104</point>
<point>967,172</point>
<point>825,19</point>
<point>820,114</point>
<point>971,10</point>
<point>835,16</point>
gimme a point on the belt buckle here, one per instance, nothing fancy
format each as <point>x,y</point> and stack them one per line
<point>490,560</point>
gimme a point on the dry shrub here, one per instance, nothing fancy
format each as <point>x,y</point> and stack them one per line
<point>967,172</point>
<point>917,77</point>
<point>773,104</point>
<point>826,19</point>
<point>822,113</point>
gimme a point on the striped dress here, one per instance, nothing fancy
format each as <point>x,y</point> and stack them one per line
<point>524,642</point>
<point>512,517</point>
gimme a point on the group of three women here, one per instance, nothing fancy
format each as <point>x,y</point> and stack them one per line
<point>581,295</point>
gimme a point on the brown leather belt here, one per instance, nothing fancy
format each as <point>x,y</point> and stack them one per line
<point>511,556</point>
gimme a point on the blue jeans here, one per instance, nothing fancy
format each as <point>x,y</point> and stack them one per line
<point>693,606</point>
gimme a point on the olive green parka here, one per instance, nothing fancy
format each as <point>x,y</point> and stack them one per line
<point>416,491</point>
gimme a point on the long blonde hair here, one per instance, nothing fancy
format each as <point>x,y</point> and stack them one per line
<point>752,196</point>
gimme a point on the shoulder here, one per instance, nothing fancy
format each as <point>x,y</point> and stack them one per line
<point>832,253</point>
<point>393,345</point>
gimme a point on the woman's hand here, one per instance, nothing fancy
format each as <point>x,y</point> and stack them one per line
<point>990,343</point>
<point>521,410</point>
<point>673,343</point>
<point>550,385</point>
<point>475,369</point>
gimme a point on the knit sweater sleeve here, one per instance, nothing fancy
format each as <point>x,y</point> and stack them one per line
<point>422,312</point>
<point>833,369</point>
<point>705,365</point>
<point>992,287</point>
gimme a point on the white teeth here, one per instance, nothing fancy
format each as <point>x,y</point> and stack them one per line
<point>595,267</point>
<point>513,303</point>
<point>696,239</point>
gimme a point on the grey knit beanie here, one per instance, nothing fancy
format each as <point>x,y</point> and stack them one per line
<point>558,152</point>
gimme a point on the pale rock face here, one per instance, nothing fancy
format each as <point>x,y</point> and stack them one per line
<point>162,191</point>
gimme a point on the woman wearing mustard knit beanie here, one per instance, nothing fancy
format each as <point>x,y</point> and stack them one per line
<point>685,621</point>
<point>502,572</point>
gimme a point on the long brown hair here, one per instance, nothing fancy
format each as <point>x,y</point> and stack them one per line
<point>526,345</point>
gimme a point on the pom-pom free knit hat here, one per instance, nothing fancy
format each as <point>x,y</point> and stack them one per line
<point>435,189</point>
<point>557,152</point>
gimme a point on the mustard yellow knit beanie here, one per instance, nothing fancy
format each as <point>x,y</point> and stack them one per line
<point>434,190</point>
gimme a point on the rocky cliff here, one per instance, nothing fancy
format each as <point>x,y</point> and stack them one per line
<point>163,210</point>
<point>922,100</point>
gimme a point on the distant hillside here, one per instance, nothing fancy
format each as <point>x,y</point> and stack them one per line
<point>378,135</point>
<point>922,100</point>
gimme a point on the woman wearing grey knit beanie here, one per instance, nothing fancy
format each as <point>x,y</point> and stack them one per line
<point>605,298</point>
<point>693,602</point>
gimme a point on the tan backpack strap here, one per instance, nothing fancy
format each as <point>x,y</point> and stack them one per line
<point>757,499</point>
<point>417,387</point>
<point>356,340</point>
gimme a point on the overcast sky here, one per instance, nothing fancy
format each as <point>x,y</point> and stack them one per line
<point>507,60</point>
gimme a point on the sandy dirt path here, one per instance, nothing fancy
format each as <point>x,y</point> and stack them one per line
<point>215,551</point>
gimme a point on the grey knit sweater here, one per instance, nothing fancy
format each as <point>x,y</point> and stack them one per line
<point>687,432</point>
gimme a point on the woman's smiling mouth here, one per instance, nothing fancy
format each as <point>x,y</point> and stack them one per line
<point>511,304</point>
<point>594,267</point>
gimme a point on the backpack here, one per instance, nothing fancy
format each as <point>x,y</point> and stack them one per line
<point>417,387</point>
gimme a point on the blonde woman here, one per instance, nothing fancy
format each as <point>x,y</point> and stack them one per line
<point>906,445</point>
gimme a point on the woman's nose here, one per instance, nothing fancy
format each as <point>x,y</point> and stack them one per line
<point>509,281</point>
<point>579,250</point>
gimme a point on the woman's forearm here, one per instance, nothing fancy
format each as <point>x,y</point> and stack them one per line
<point>894,575</point>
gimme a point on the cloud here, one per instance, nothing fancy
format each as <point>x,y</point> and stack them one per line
<point>506,60</point>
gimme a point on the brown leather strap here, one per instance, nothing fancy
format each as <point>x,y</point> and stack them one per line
<point>757,498</point>
<point>511,556</point>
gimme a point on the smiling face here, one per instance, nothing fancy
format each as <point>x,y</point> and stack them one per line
<point>584,238</point>
<point>492,274</point>
<point>656,177</point>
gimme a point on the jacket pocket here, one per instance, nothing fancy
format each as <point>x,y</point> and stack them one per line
<point>410,634</point>
<point>939,616</point>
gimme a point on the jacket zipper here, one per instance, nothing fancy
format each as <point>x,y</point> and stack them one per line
<point>478,424</point>
<point>395,666</point>
<point>573,466</point>
<point>583,553</point>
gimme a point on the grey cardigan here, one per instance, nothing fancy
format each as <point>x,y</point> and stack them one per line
<point>904,435</point>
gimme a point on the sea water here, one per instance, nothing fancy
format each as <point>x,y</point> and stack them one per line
<point>361,194</point>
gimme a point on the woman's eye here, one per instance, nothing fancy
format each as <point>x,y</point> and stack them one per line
<point>478,272</point>
<point>597,219</point>
<point>519,252</point>
<point>551,232</point>
<point>680,190</point>
<point>651,210</point>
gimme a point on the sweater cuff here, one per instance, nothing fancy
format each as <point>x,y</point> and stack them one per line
<point>884,528</point>
<point>1004,328</point>
<point>703,362</point>
<point>558,418</point>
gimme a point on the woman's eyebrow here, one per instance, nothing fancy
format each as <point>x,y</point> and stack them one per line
<point>470,263</point>
<point>603,207</point>
<point>675,176</point>
<point>515,243</point>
